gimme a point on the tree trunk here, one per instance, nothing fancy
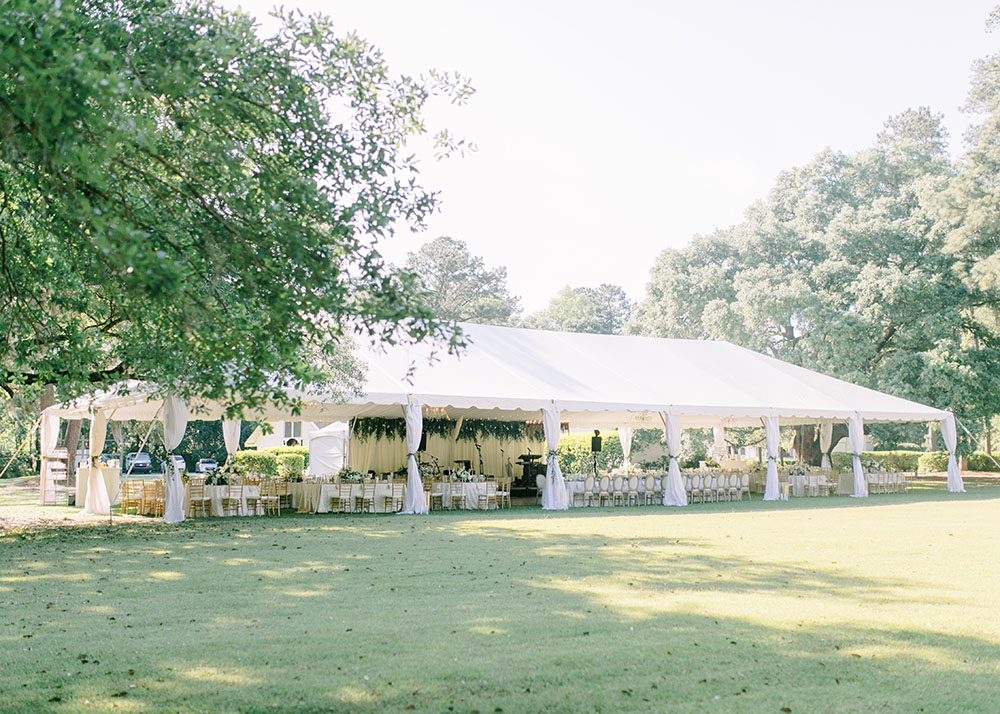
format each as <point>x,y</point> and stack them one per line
<point>72,442</point>
<point>807,445</point>
<point>989,435</point>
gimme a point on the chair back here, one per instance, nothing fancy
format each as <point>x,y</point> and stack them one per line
<point>605,483</point>
<point>633,484</point>
<point>588,484</point>
<point>650,484</point>
<point>540,482</point>
<point>618,484</point>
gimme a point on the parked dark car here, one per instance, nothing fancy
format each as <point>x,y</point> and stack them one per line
<point>138,463</point>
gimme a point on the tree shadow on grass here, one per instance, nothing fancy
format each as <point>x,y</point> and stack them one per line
<point>468,612</point>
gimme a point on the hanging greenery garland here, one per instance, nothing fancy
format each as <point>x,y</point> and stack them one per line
<point>472,429</point>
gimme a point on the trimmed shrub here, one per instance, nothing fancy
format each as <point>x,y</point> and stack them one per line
<point>256,462</point>
<point>979,461</point>
<point>891,460</point>
<point>290,467</point>
<point>933,461</point>
<point>575,456</point>
<point>302,451</point>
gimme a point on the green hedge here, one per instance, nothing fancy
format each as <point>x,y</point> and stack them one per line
<point>933,461</point>
<point>302,451</point>
<point>891,460</point>
<point>257,462</point>
<point>575,456</point>
<point>290,466</point>
<point>979,461</point>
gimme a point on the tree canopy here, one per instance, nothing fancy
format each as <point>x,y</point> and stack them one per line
<point>604,310</point>
<point>843,269</point>
<point>457,285</point>
<point>184,201</point>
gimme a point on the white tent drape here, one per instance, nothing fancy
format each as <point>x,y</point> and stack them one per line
<point>625,437</point>
<point>231,435</point>
<point>674,493</point>
<point>825,441</point>
<point>856,434</point>
<point>175,418</point>
<point>950,435</point>
<point>772,434</point>
<point>98,502</point>
<point>414,502</point>
<point>48,439</point>
<point>554,496</point>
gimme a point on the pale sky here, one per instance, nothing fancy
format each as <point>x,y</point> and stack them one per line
<point>608,131</point>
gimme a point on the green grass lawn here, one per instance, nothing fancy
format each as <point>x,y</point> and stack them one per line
<point>888,604</point>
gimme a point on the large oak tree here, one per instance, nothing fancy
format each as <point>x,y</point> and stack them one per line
<point>184,201</point>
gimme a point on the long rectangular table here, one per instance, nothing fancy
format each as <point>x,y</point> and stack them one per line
<point>317,497</point>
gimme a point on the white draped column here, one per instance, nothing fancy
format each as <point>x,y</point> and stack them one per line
<point>856,435</point>
<point>950,435</point>
<point>674,493</point>
<point>414,501</point>
<point>825,441</point>
<point>554,497</point>
<point>625,437</point>
<point>231,436</point>
<point>772,434</point>
<point>98,502</point>
<point>175,419</point>
<point>48,438</point>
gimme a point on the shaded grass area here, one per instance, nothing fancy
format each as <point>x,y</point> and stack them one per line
<point>815,605</point>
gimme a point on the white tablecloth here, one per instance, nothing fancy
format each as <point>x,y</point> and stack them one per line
<point>317,497</point>
<point>574,487</point>
<point>215,494</point>
<point>111,476</point>
<point>471,491</point>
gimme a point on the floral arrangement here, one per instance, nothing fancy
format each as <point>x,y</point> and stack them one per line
<point>217,478</point>
<point>346,474</point>
<point>798,469</point>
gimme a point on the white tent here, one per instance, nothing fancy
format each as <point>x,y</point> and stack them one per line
<point>328,449</point>
<point>590,381</point>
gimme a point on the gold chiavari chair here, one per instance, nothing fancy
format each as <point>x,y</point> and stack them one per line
<point>159,498</point>
<point>232,502</point>
<point>456,494</point>
<point>270,499</point>
<point>503,491</point>
<point>251,494</point>
<point>488,495</point>
<point>365,503</point>
<point>435,494</point>
<point>199,503</point>
<point>131,498</point>
<point>394,501</point>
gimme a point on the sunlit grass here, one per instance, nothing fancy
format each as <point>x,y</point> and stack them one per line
<point>815,605</point>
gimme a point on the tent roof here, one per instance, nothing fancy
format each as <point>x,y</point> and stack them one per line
<point>595,380</point>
